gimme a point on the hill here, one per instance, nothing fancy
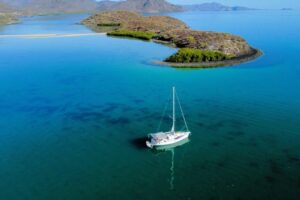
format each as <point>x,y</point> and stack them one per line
<point>38,7</point>
<point>214,7</point>
<point>144,6</point>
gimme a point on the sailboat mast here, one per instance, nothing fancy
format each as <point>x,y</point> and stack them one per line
<point>174,111</point>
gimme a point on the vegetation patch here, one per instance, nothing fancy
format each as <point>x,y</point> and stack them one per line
<point>109,24</point>
<point>134,34</point>
<point>189,55</point>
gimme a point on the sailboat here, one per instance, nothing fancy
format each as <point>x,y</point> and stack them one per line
<point>172,137</point>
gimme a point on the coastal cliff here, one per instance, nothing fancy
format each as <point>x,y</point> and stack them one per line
<point>197,48</point>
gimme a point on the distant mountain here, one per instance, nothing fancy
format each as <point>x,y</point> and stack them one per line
<point>145,6</point>
<point>214,7</point>
<point>34,7</point>
<point>41,7</point>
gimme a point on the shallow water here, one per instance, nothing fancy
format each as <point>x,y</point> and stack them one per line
<point>74,112</point>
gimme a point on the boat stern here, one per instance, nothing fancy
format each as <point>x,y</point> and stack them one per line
<point>149,144</point>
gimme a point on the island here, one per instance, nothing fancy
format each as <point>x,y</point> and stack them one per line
<point>196,48</point>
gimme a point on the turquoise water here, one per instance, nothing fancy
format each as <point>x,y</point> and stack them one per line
<point>74,112</point>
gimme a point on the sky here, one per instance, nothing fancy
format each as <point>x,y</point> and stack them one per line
<point>272,4</point>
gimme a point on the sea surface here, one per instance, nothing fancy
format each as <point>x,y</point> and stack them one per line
<point>74,112</point>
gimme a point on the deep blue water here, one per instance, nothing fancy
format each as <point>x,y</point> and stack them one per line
<point>73,112</point>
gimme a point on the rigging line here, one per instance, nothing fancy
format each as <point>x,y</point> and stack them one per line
<point>182,113</point>
<point>163,114</point>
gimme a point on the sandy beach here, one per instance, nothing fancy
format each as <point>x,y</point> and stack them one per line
<point>51,35</point>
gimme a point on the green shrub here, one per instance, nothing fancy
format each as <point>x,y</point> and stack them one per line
<point>134,34</point>
<point>109,24</point>
<point>191,39</point>
<point>188,55</point>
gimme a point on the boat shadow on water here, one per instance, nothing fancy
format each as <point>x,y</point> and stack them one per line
<point>139,143</point>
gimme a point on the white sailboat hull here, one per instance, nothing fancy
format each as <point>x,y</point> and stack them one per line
<point>165,139</point>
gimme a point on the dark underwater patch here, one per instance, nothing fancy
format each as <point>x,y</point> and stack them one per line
<point>84,108</point>
<point>221,164</point>
<point>298,182</point>
<point>201,115</point>
<point>216,126</point>
<point>71,80</point>
<point>138,101</point>
<point>156,117</point>
<point>85,116</point>
<point>200,124</point>
<point>270,139</point>
<point>110,107</point>
<point>66,129</point>
<point>96,126</point>
<point>227,123</point>
<point>253,164</point>
<point>119,121</point>
<point>144,111</point>
<point>39,111</point>
<point>42,100</point>
<point>250,143</point>
<point>237,124</point>
<point>230,138</point>
<point>216,144</point>
<point>290,157</point>
<point>236,133</point>
<point>293,159</point>
<point>270,179</point>
<point>275,167</point>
